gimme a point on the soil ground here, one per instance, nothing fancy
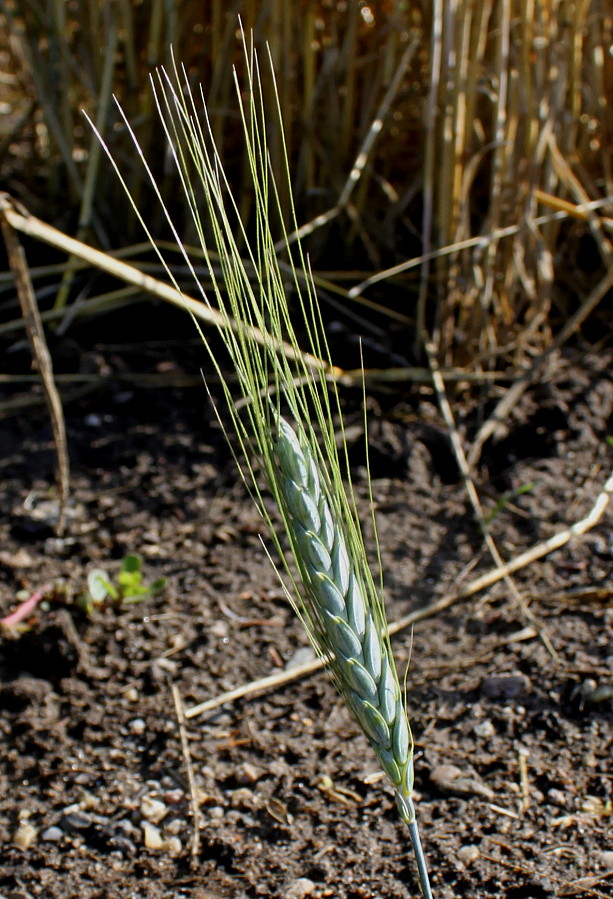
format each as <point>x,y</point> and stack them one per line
<point>513,745</point>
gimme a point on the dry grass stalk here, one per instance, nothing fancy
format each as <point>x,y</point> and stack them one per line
<point>473,496</point>
<point>513,81</point>
<point>20,220</point>
<point>511,89</point>
<point>40,354</point>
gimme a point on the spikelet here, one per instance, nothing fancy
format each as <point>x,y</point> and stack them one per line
<point>336,602</point>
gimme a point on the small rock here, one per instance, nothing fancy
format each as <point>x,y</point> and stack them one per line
<point>484,729</point>
<point>122,846</point>
<point>177,826</point>
<point>52,834</point>
<point>83,778</point>
<point>248,774</point>
<point>468,854</point>
<point>219,629</point>
<point>137,727</point>
<point>152,836</point>
<point>89,800</point>
<point>450,779</point>
<point>127,828</point>
<point>75,821</point>
<point>606,858</point>
<point>557,797</point>
<point>25,836</point>
<point>300,888</point>
<point>216,812</point>
<point>154,840</point>
<point>73,807</point>
<point>173,846</point>
<point>152,809</point>
<point>131,694</point>
<point>242,798</point>
<point>505,686</point>
<point>20,559</point>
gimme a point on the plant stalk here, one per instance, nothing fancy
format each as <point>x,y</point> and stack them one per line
<point>418,852</point>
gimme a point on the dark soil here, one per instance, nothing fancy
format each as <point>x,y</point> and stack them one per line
<point>513,746</point>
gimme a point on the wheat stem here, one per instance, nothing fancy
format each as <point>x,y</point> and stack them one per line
<point>418,851</point>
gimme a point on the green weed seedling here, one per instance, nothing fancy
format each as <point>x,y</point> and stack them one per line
<point>129,588</point>
<point>506,498</point>
<point>101,592</point>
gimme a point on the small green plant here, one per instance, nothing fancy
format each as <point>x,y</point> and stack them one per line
<point>506,498</point>
<point>129,587</point>
<point>100,592</point>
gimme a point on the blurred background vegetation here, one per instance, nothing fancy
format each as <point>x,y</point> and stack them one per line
<point>480,134</point>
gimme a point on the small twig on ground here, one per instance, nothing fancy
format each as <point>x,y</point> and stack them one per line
<point>524,780</point>
<point>178,702</point>
<point>475,586</point>
<point>40,352</point>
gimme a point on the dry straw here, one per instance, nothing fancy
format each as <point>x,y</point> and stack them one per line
<point>502,113</point>
<point>285,428</point>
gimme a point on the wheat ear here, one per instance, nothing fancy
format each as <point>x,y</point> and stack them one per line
<point>335,598</point>
<point>335,594</point>
<point>346,628</point>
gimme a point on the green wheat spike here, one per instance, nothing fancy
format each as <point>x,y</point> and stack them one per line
<point>280,381</point>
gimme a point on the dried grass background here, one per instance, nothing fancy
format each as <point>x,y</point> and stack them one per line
<point>502,116</point>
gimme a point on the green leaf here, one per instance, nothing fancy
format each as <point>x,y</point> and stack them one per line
<point>132,564</point>
<point>506,498</point>
<point>157,586</point>
<point>99,587</point>
<point>131,584</point>
<point>129,578</point>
